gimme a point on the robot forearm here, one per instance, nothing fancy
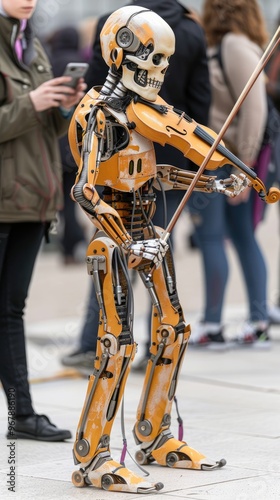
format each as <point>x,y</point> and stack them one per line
<point>172,178</point>
<point>101,214</point>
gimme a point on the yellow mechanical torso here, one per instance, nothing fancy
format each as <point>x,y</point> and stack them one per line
<point>127,169</point>
<point>130,168</point>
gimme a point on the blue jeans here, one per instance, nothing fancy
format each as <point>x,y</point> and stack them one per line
<point>215,219</point>
<point>19,246</point>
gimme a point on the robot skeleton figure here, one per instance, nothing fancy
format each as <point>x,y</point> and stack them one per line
<point>111,137</point>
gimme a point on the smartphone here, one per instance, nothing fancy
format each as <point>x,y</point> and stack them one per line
<point>76,71</point>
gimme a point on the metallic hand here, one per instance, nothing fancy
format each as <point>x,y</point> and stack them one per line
<point>153,250</point>
<point>232,186</point>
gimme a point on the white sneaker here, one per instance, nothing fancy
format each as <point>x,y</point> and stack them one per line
<point>251,335</point>
<point>274,315</point>
<point>207,335</point>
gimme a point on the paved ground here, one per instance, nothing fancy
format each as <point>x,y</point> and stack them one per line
<point>230,401</point>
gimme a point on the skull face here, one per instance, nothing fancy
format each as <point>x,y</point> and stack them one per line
<point>144,72</point>
<point>141,43</point>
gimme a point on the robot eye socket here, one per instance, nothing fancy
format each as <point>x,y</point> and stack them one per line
<point>157,59</point>
<point>127,40</point>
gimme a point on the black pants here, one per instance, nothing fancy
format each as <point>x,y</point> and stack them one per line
<point>19,246</point>
<point>73,232</point>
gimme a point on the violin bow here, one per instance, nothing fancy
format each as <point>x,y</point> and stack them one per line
<point>260,66</point>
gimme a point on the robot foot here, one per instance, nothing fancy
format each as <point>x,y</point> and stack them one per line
<point>113,476</point>
<point>178,454</point>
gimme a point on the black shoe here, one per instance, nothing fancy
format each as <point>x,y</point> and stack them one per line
<point>82,361</point>
<point>37,427</point>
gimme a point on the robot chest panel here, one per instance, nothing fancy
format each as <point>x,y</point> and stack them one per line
<point>131,167</point>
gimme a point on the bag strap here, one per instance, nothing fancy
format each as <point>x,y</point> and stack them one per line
<point>218,56</point>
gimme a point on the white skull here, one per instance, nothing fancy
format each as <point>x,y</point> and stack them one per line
<point>140,42</point>
<point>145,75</point>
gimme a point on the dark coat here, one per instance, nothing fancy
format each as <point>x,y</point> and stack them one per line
<point>30,171</point>
<point>186,85</point>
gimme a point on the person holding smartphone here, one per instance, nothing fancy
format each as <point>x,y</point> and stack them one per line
<point>35,110</point>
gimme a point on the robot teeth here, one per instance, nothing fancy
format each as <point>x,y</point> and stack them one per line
<point>152,82</point>
<point>142,77</point>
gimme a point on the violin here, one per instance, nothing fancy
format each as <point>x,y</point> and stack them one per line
<point>161,123</point>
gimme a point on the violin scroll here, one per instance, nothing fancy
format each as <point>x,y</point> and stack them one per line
<point>273,195</point>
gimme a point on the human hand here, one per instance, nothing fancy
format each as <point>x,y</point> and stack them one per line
<point>53,93</point>
<point>70,100</point>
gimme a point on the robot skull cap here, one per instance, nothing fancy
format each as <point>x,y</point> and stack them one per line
<point>139,42</point>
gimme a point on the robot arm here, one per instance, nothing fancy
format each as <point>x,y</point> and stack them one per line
<point>172,178</point>
<point>84,192</point>
<point>193,140</point>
